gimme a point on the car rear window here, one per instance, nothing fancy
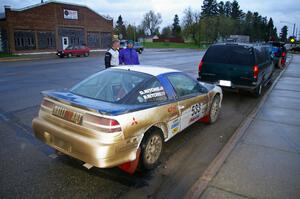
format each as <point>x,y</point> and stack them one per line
<point>110,85</point>
<point>229,54</point>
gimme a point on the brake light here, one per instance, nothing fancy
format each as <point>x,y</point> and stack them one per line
<point>103,124</point>
<point>200,66</point>
<point>47,104</point>
<point>283,54</point>
<point>255,71</point>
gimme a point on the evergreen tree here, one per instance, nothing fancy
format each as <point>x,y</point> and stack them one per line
<point>283,34</point>
<point>120,28</point>
<point>227,8</point>
<point>236,12</point>
<point>176,29</point>
<point>221,8</point>
<point>209,8</point>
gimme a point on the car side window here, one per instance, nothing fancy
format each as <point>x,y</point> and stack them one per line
<point>184,85</point>
<point>152,91</point>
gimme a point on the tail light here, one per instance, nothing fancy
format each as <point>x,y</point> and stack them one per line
<point>200,66</point>
<point>103,124</point>
<point>255,71</point>
<point>283,54</point>
<point>47,104</point>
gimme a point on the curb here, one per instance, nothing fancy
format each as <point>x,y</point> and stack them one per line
<point>202,182</point>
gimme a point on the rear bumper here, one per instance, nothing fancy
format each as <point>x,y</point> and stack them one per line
<point>87,149</point>
<point>233,86</point>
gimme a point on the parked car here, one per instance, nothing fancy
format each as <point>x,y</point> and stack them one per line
<point>279,53</point>
<point>237,66</point>
<point>137,46</point>
<point>121,116</point>
<point>74,50</point>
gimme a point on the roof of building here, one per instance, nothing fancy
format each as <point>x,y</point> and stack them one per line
<point>151,70</point>
<point>59,2</point>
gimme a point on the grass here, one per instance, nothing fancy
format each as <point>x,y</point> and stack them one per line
<point>5,55</point>
<point>172,45</point>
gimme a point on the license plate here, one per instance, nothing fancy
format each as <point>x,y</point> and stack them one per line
<point>225,83</point>
<point>68,115</point>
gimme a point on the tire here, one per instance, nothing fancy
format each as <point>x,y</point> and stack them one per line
<point>151,149</point>
<point>257,91</point>
<point>69,55</point>
<point>86,54</point>
<point>214,109</point>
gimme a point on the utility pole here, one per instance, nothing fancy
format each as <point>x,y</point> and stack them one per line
<point>294,29</point>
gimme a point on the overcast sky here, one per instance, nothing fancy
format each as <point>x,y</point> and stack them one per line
<point>283,12</point>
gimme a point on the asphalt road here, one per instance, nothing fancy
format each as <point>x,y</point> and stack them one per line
<point>29,169</point>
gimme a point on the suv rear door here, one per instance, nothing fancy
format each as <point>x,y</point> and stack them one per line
<point>228,62</point>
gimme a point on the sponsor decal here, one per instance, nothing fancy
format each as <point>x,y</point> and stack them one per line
<point>172,109</point>
<point>152,92</point>
<point>175,126</point>
<point>198,110</point>
<point>134,122</point>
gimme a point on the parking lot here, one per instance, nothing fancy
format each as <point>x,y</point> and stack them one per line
<point>29,168</point>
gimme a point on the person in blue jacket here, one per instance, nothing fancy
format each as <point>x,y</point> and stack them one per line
<point>129,56</point>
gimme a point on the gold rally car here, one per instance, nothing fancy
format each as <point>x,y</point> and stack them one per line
<point>121,116</point>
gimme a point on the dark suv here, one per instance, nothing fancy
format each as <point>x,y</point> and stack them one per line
<point>237,66</point>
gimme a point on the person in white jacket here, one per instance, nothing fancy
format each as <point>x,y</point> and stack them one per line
<point>112,55</point>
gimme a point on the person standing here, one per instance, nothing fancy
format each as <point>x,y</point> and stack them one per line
<point>112,55</point>
<point>129,56</point>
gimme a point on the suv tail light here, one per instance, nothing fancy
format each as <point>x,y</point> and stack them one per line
<point>255,71</point>
<point>200,66</point>
<point>102,124</point>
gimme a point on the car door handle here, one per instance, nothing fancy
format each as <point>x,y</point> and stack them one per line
<point>181,107</point>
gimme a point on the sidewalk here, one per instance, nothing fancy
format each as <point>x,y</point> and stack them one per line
<point>266,161</point>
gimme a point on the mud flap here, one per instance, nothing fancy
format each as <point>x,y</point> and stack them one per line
<point>131,166</point>
<point>205,119</point>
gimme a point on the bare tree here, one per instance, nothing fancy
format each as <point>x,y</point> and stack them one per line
<point>151,22</point>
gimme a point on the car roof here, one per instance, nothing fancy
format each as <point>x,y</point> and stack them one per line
<point>151,70</point>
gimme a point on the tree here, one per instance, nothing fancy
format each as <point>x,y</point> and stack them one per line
<point>120,28</point>
<point>166,32</point>
<point>176,29</point>
<point>190,24</point>
<point>221,8</point>
<point>131,32</point>
<point>283,34</point>
<point>209,8</point>
<point>151,22</point>
<point>236,12</point>
<point>272,31</point>
<point>227,8</point>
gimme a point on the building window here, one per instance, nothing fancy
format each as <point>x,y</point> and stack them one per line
<point>25,40</point>
<point>46,40</point>
<point>93,39</point>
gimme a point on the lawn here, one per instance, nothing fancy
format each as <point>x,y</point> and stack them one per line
<point>172,45</point>
<point>4,55</point>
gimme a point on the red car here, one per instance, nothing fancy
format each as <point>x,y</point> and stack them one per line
<point>72,50</point>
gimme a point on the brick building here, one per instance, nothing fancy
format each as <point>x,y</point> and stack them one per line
<point>53,25</point>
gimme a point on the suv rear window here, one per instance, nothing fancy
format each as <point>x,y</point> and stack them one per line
<point>229,54</point>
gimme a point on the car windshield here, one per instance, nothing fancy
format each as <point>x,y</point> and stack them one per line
<point>110,85</point>
<point>225,54</point>
<point>70,47</point>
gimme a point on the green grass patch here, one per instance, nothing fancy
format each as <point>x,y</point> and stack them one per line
<point>4,55</point>
<point>172,45</point>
